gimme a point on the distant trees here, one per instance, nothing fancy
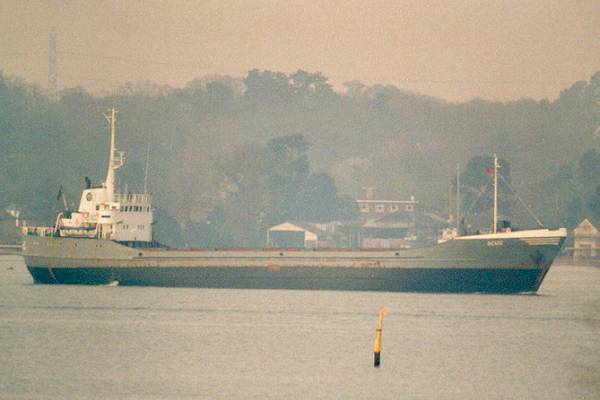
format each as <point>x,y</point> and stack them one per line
<point>572,193</point>
<point>287,170</point>
<point>269,88</point>
<point>272,184</point>
<point>594,203</point>
<point>219,97</point>
<point>295,192</point>
<point>231,156</point>
<point>308,85</point>
<point>588,179</point>
<point>588,171</point>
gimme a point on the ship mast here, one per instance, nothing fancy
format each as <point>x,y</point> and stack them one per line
<point>457,199</point>
<point>115,159</point>
<point>146,170</point>
<point>495,222</point>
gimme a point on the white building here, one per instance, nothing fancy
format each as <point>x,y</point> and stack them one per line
<point>302,235</point>
<point>586,241</point>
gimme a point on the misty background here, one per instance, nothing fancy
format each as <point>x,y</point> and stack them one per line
<point>259,112</point>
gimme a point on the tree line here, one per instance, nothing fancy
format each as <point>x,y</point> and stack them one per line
<point>231,156</point>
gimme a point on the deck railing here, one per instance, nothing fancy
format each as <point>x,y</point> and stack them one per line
<point>42,231</point>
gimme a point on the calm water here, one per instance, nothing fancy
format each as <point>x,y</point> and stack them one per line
<point>157,343</point>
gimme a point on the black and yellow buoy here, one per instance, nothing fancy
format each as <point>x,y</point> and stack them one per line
<point>377,346</point>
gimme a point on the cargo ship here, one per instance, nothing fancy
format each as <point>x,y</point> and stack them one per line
<point>108,241</point>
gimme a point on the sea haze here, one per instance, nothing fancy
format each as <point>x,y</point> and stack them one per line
<point>155,343</point>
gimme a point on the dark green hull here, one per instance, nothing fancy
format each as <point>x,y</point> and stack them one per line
<point>436,280</point>
<point>499,265</point>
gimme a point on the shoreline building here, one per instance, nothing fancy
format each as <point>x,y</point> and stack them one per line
<point>586,241</point>
<point>385,223</point>
<point>304,235</point>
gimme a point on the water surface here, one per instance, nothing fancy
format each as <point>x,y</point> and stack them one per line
<point>90,342</point>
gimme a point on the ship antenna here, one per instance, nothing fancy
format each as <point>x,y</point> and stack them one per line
<point>64,199</point>
<point>496,166</point>
<point>115,159</point>
<point>458,199</point>
<point>146,170</point>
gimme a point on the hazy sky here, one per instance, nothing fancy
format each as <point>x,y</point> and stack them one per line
<point>456,50</point>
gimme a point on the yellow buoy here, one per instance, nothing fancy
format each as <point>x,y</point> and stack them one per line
<point>377,345</point>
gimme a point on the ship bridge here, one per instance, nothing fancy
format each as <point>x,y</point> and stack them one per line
<point>103,213</point>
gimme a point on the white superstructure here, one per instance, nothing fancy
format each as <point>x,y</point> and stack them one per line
<point>105,214</point>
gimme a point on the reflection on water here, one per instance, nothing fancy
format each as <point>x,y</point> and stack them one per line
<point>127,342</point>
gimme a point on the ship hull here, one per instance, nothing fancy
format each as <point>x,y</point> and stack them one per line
<point>436,280</point>
<point>486,264</point>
